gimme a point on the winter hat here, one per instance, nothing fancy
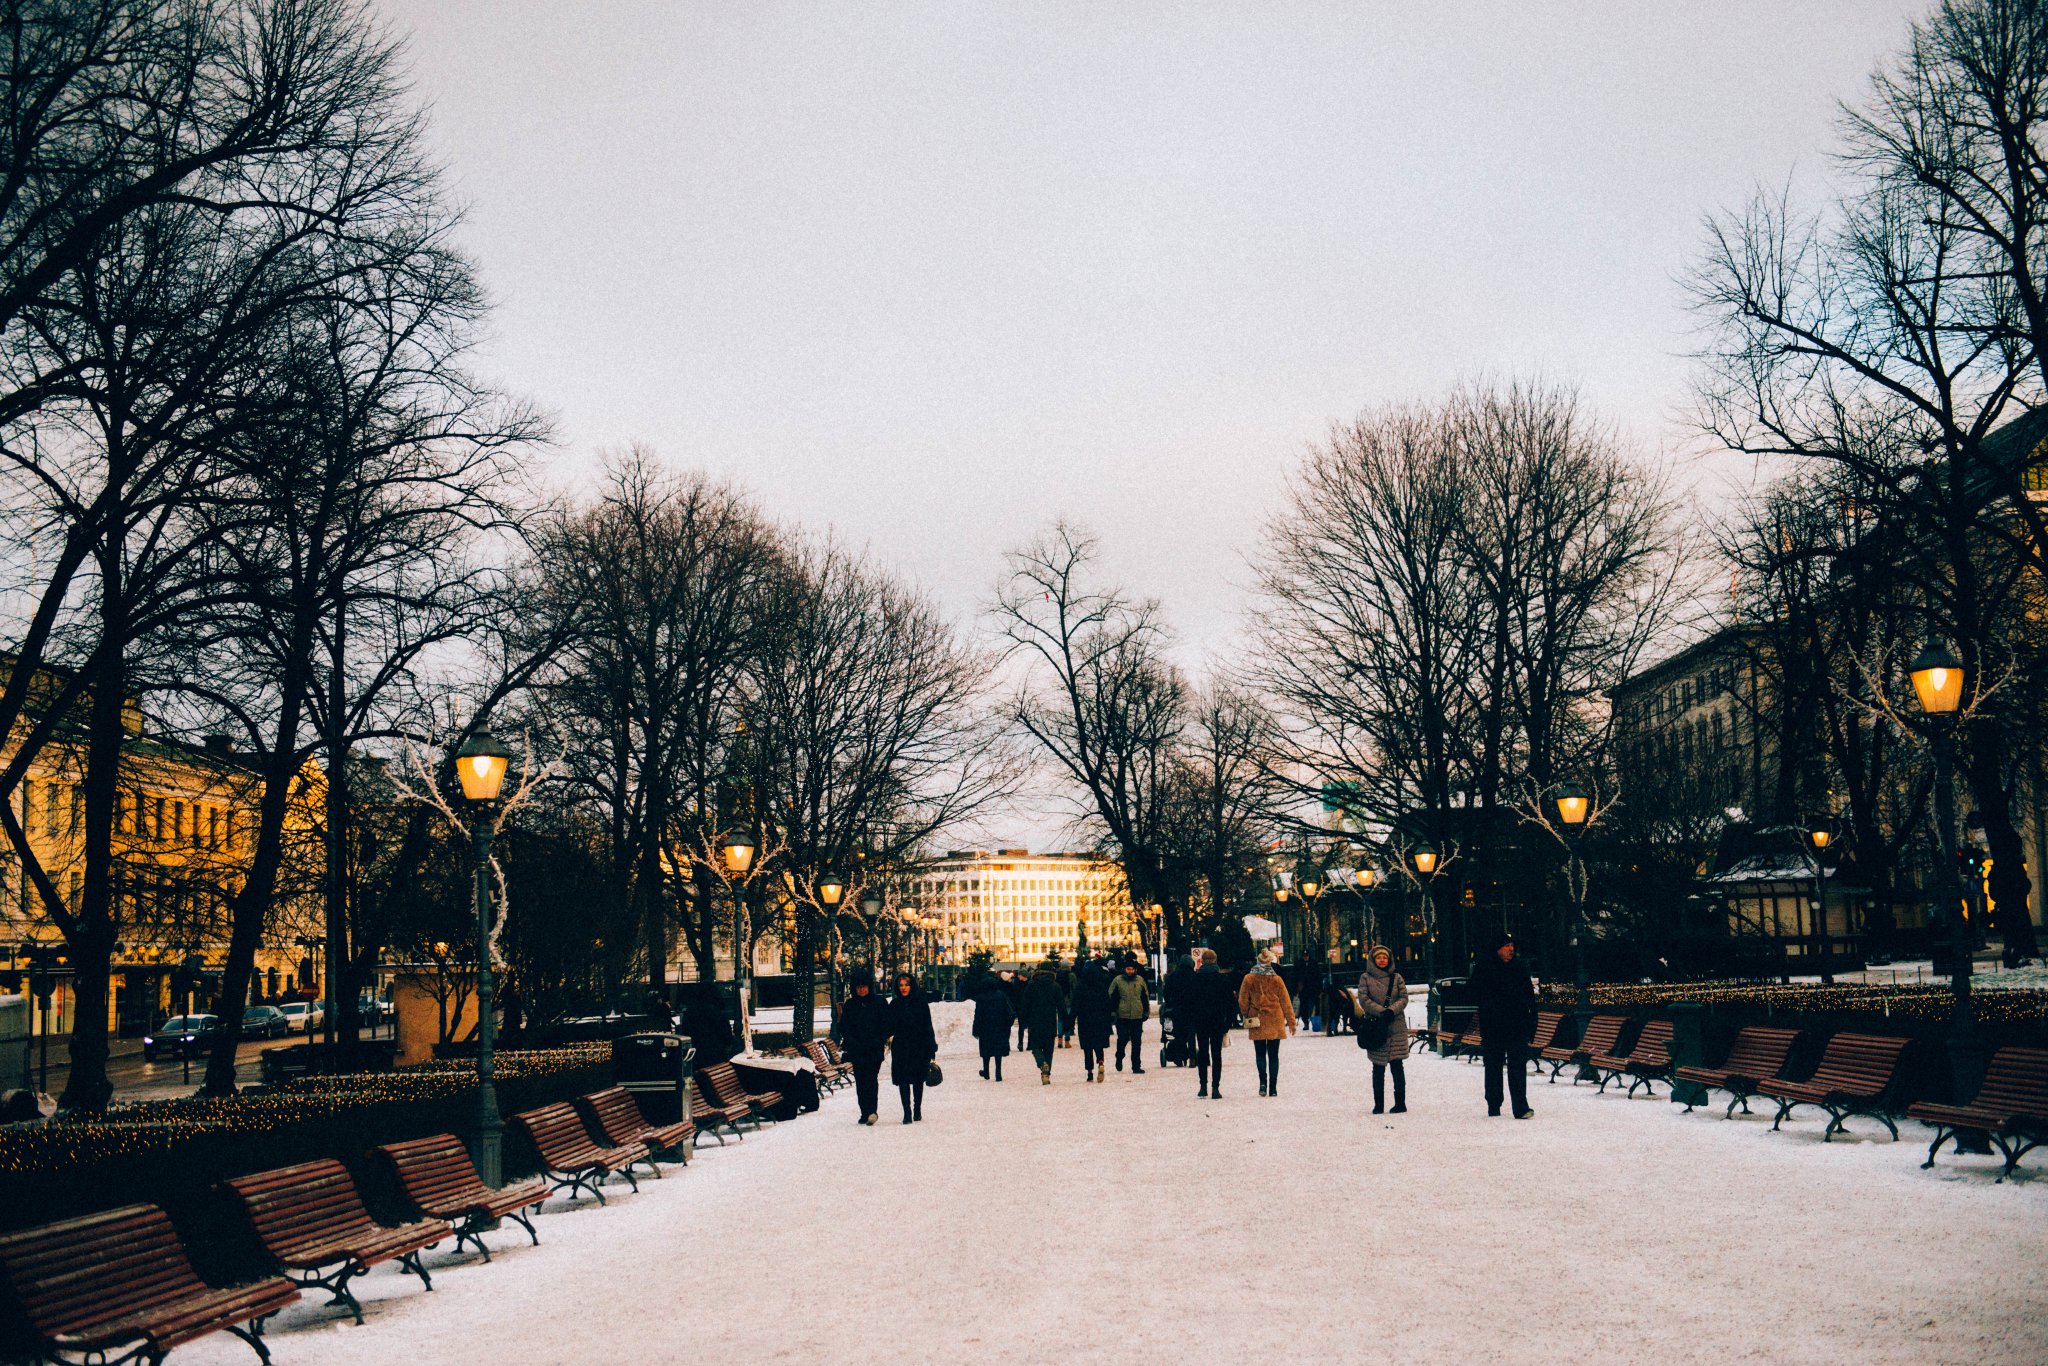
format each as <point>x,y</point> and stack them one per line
<point>1496,939</point>
<point>861,977</point>
<point>1266,956</point>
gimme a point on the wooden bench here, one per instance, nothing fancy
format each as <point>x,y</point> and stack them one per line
<point>832,1075</point>
<point>1545,1033</point>
<point>1602,1033</point>
<point>311,1218</point>
<point>1855,1077</point>
<point>713,1119</point>
<point>1649,1058</point>
<point>617,1116</point>
<point>440,1180</point>
<point>567,1156</point>
<point>726,1087</point>
<point>1758,1055</point>
<point>1451,1042</point>
<point>117,1287</point>
<point>2011,1106</point>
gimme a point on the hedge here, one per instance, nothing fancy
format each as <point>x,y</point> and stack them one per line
<point>175,1153</point>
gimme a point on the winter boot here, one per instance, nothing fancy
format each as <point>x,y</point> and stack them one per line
<point>1379,1091</point>
<point>984,1069</point>
<point>905,1090</point>
<point>1045,1076</point>
<point>1091,1074</point>
<point>1400,1090</point>
<point>999,1069</point>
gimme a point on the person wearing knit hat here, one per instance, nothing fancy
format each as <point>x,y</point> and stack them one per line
<point>1268,1016</point>
<point>863,1025</point>
<point>1383,996</point>
<point>1506,999</point>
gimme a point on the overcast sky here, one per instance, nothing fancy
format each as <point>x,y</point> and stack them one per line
<point>934,275</point>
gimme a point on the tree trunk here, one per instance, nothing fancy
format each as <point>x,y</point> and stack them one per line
<point>803,975</point>
<point>2010,886</point>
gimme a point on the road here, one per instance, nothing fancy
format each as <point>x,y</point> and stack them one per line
<point>164,1079</point>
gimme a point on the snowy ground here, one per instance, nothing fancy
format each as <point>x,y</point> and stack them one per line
<point>1124,1221</point>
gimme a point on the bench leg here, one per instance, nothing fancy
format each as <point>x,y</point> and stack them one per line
<point>2014,1150</point>
<point>470,1230</point>
<point>1942,1134</point>
<point>1784,1109</point>
<point>253,1335</point>
<point>520,1218</point>
<point>411,1262</point>
<point>336,1285</point>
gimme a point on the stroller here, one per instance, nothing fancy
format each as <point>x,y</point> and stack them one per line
<point>1176,1048</point>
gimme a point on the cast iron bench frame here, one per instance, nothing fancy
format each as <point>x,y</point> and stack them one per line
<point>311,1218</point>
<point>1758,1055</point>
<point>2011,1107</point>
<point>1857,1076</point>
<point>568,1159</point>
<point>440,1180</point>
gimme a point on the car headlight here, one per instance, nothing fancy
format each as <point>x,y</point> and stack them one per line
<point>147,1041</point>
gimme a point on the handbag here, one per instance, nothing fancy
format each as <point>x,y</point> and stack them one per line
<point>1251,1022</point>
<point>1372,1033</point>
<point>933,1076</point>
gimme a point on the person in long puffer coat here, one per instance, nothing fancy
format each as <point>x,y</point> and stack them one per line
<point>1384,992</point>
<point>1262,996</point>
<point>1042,1016</point>
<point>992,1025</point>
<point>1092,1016</point>
<point>913,1043</point>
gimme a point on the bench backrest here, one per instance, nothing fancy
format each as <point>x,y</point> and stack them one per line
<point>724,1082</point>
<point>1653,1045</point>
<point>558,1135</point>
<point>1760,1053</point>
<point>1547,1022</point>
<point>2016,1080</point>
<point>1859,1063</point>
<point>436,1172</point>
<point>97,1267</point>
<point>1602,1033</point>
<point>700,1104</point>
<point>617,1116</point>
<point>292,1207</point>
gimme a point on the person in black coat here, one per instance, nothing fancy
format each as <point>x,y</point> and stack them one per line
<point>1507,1016</point>
<point>1205,1007</point>
<point>1092,1014</point>
<point>864,1035</point>
<point>912,1044</point>
<point>1013,987</point>
<point>1308,988</point>
<point>992,1025</point>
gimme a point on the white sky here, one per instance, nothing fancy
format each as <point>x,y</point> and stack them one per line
<point>933,275</point>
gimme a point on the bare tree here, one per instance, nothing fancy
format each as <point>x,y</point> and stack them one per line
<point>1099,698</point>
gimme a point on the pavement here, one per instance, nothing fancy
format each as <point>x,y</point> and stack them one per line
<point>1099,1223</point>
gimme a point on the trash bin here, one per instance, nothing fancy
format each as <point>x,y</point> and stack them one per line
<point>1451,1004</point>
<point>656,1069</point>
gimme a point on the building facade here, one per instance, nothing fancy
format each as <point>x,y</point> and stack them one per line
<point>1019,905</point>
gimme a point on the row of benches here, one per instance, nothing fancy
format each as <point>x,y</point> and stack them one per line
<point>1858,1074</point>
<point>118,1287</point>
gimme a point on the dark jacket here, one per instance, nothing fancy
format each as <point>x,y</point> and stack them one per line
<point>1042,1008</point>
<point>1174,988</point>
<point>1091,1006</point>
<point>912,1044</point>
<point>1207,1004</point>
<point>1506,999</point>
<point>863,1027</point>
<point>992,1019</point>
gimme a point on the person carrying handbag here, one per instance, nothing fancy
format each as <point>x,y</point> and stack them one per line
<point>1268,1017</point>
<point>1383,1027</point>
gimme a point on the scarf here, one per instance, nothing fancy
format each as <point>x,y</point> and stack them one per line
<point>1380,977</point>
<point>1265,970</point>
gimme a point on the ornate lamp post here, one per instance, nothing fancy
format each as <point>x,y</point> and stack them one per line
<point>1818,836</point>
<point>1938,683</point>
<point>1368,877</point>
<point>1573,806</point>
<point>737,848</point>
<point>480,767</point>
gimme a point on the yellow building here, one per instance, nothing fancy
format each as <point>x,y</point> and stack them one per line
<point>1021,905</point>
<point>183,836</point>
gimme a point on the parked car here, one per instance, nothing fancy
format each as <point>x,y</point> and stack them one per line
<point>265,1022</point>
<point>372,1008</point>
<point>181,1036</point>
<point>303,1016</point>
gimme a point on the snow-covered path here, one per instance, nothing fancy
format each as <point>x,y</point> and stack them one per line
<point>1131,1221</point>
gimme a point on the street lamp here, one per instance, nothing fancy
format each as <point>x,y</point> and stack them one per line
<point>1818,837</point>
<point>1425,857</point>
<point>1368,877</point>
<point>738,850</point>
<point>480,767</point>
<point>1938,682</point>
<point>1573,806</point>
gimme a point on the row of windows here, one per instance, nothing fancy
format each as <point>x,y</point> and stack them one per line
<point>167,820</point>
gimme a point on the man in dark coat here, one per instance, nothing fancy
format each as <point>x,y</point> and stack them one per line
<point>1507,1016</point>
<point>864,1035</point>
<point>1308,988</point>
<point>1204,1007</point>
<point>1092,1015</point>
<point>1042,1018</point>
<point>992,1024</point>
<point>1013,987</point>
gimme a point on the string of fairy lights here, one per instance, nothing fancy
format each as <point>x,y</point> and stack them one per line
<point>1912,1004</point>
<point>158,1127</point>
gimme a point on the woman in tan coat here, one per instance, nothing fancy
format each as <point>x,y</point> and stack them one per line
<point>1262,1000</point>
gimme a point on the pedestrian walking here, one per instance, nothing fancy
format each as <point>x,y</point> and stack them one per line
<point>912,1044</point>
<point>1092,1017</point>
<point>1013,987</point>
<point>1308,985</point>
<point>864,1035</point>
<point>992,1025</point>
<point>1205,1008</point>
<point>1383,1015</point>
<point>1131,999</point>
<point>1507,1016</point>
<point>1066,1002</point>
<point>1268,1018</point>
<point>1042,1017</point>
